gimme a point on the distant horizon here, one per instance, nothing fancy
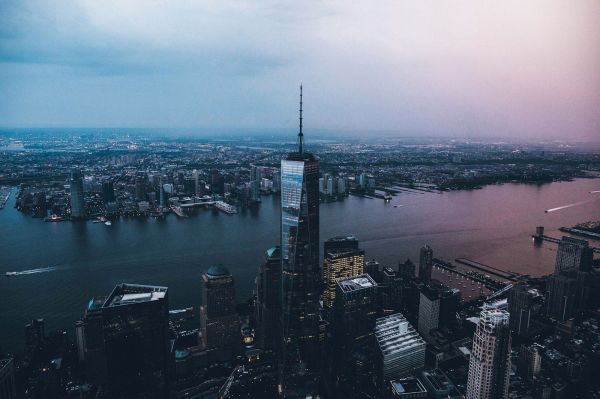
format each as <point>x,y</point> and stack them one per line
<point>501,69</point>
<point>260,132</point>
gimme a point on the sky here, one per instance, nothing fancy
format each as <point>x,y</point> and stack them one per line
<point>510,68</point>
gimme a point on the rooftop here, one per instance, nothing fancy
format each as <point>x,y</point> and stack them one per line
<point>217,271</point>
<point>406,386</point>
<point>395,334</point>
<point>342,238</point>
<point>356,283</point>
<point>127,294</point>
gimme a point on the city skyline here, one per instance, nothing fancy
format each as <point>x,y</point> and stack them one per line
<point>413,69</point>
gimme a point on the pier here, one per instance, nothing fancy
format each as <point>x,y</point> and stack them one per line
<point>488,283</point>
<point>540,237</point>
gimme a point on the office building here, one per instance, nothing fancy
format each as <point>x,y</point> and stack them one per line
<point>7,379</point>
<point>530,361</point>
<point>489,365</point>
<point>340,262</point>
<point>372,269</point>
<point>348,242</point>
<point>354,312</point>
<point>429,310</point>
<point>573,254</point>
<point>77,199</point>
<point>301,271</point>
<point>268,299</point>
<point>401,348</point>
<point>425,264</point>
<point>406,270</point>
<point>108,192</point>
<point>521,300</point>
<point>127,342</point>
<point>219,322</point>
<point>562,295</point>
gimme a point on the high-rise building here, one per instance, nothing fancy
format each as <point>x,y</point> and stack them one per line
<point>489,365</point>
<point>425,263</point>
<point>301,271</point>
<point>521,300</point>
<point>77,199</point>
<point>401,348</point>
<point>255,177</point>
<point>340,261</point>
<point>127,341</point>
<point>268,299</point>
<point>530,361</point>
<point>407,269</point>
<point>8,388</point>
<point>108,192</point>
<point>573,254</point>
<point>372,269</point>
<point>219,322</point>
<point>354,312</point>
<point>429,311</point>
<point>562,295</point>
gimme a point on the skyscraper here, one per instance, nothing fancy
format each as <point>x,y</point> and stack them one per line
<point>573,254</point>
<point>77,200</point>
<point>7,379</point>
<point>489,365</point>
<point>219,322</point>
<point>429,311</point>
<point>301,272</point>
<point>520,307</point>
<point>425,263</point>
<point>127,342</point>
<point>342,259</point>
<point>268,299</point>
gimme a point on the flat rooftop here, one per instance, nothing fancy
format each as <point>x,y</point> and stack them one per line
<point>127,294</point>
<point>395,334</point>
<point>407,386</point>
<point>356,283</point>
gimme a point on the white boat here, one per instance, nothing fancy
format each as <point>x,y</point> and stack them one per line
<point>108,223</point>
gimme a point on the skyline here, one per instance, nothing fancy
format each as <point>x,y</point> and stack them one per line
<point>468,70</point>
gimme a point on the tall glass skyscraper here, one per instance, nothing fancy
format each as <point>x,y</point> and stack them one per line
<point>300,257</point>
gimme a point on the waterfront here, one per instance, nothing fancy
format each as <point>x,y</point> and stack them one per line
<point>492,225</point>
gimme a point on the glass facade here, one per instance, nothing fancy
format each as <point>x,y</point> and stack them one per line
<point>300,254</point>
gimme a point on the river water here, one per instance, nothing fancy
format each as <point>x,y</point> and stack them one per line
<point>491,225</point>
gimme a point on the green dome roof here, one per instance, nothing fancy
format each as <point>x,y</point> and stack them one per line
<point>217,271</point>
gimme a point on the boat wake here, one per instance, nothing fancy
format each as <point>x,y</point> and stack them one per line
<point>32,271</point>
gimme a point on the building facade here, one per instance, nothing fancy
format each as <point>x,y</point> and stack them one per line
<point>77,199</point>
<point>425,263</point>
<point>489,365</point>
<point>219,322</point>
<point>340,262</point>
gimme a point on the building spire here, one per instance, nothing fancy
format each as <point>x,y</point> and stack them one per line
<point>300,134</point>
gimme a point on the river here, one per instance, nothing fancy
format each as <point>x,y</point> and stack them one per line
<point>491,225</point>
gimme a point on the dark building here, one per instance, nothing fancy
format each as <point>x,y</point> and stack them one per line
<point>437,308</point>
<point>355,312</point>
<point>425,263</point>
<point>562,295</point>
<point>219,322</point>
<point>77,199</point>
<point>108,192</point>
<point>301,271</point>
<point>7,379</point>
<point>521,301</point>
<point>127,342</point>
<point>407,269</point>
<point>372,269</point>
<point>217,182</point>
<point>35,335</point>
<point>573,254</point>
<point>268,299</point>
<point>340,242</point>
<point>141,186</point>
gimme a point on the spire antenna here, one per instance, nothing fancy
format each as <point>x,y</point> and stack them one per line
<point>300,134</point>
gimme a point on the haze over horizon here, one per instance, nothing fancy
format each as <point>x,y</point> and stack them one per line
<point>502,69</point>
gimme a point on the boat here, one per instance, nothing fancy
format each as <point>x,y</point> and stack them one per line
<point>225,207</point>
<point>10,274</point>
<point>108,223</point>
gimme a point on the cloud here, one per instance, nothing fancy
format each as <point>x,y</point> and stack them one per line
<point>458,67</point>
